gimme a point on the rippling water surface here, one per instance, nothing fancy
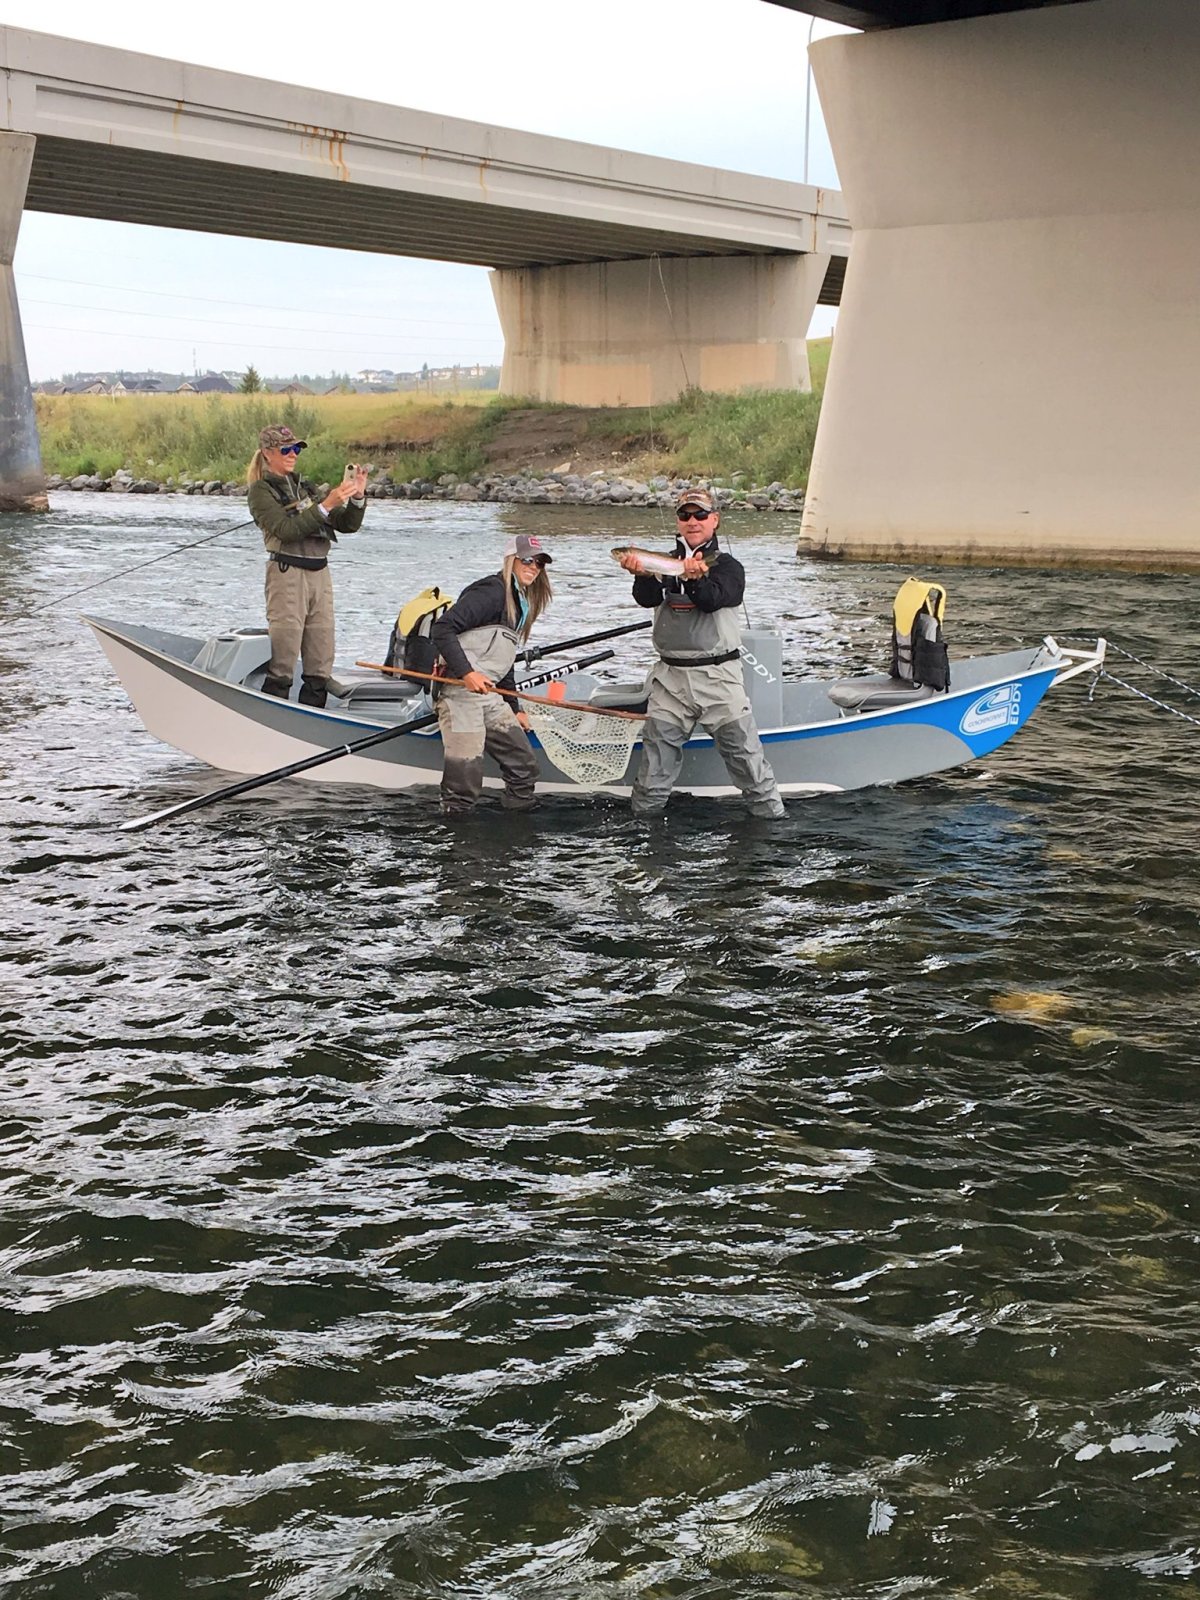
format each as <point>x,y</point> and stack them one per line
<point>561,1208</point>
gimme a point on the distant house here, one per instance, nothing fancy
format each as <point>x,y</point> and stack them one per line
<point>92,386</point>
<point>50,388</point>
<point>375,375</point>
<point>289,388</point>
<point>210,383</point>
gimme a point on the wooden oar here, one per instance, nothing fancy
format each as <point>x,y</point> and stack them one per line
<point>198,802</point>
<point>509,694</point>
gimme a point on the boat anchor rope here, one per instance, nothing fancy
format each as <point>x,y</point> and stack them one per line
<point>1140,694</point>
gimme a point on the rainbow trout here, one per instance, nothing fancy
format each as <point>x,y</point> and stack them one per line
<point>651,561</point>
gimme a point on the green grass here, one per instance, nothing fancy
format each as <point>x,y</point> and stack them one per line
<point>764,437</point>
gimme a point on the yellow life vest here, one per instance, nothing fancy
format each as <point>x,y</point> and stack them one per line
<point>919,654</point>
<point>409,644</point>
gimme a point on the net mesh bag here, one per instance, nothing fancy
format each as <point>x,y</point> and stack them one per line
<point>589,748</point>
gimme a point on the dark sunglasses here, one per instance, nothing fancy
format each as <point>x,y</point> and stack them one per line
<point>291,449</point>
<point>694,515</point>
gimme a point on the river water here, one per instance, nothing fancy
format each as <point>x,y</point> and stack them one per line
<point>560,1208</point>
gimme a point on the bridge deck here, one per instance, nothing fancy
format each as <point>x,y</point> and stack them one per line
<point>139,139</point>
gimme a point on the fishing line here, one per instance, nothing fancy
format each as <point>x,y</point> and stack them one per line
<point>125,571</point>
<point>656,261</point>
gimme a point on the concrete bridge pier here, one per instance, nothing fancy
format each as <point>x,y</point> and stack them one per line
<point>1016,370</point>
<point>22,482</point>
<point>636,333</point>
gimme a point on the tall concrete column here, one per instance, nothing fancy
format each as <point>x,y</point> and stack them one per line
<point>22,482</point>
<point>1016,369</point>
<point>639,332</point>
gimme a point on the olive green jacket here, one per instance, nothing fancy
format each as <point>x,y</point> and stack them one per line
<point>292,523</point>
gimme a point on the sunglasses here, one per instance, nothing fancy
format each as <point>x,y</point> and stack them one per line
<point>531,561</point>
<point>290,449</point>
<point>694,515</point>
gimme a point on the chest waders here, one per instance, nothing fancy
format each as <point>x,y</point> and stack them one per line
<point>699,681</point>
<point>477,725</point>
<point>299,601</point>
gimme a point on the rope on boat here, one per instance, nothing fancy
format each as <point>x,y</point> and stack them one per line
<point>1142,695</point>
<point>1157,671</point>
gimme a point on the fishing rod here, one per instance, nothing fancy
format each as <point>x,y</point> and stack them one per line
<point>198,802</point>
<point>125,571</point>
<point>511,694</point>
<point>536,652</point>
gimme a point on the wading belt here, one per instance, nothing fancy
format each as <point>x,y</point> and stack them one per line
<point>700,661</point>
<point>305,563</point>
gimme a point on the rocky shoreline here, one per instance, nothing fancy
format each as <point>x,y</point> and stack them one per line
<point>509,488</point>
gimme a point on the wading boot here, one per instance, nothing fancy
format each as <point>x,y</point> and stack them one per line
<point>280,687</point>
<point>462,783</point>
<point>312,691</point>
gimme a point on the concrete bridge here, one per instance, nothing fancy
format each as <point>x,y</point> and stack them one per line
<point>619,278</point>
<point>1016,374</point>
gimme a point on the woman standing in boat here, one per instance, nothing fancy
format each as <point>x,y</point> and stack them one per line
<point>477,641</point>
<point>298,532</point>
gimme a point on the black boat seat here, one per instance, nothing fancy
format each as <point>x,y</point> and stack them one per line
<point>876,693</point>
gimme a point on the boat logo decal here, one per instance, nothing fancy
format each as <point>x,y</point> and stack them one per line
<point>755,664</point>
<point>998,708</point>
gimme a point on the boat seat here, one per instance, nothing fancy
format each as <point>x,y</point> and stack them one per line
<point>620,697</point>
<point>354,688</point>
<point>876,693</point>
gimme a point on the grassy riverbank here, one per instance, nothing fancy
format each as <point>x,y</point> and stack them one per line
<point>765,437</point>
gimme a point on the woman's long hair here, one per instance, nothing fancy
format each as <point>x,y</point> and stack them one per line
<point>257,468</point>
<point>538,593</point>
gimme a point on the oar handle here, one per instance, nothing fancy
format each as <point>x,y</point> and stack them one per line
<point>198,802</point>
<point>509,694</point>
<point>536,652</point>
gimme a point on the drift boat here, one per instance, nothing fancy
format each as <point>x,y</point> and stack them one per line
<point>204,698</point>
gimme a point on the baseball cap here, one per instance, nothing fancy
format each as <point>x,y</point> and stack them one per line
<point>273,438</point>
<point>527,548</point>
<point>695,497</point>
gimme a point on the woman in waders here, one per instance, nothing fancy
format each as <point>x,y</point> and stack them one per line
<point>477,641</point>
<point>298,532</point>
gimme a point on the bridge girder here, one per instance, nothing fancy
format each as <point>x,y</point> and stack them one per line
<point>869,14</point>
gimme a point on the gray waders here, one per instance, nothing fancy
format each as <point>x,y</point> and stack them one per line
<point>714,698</point>
<point>475,725</point>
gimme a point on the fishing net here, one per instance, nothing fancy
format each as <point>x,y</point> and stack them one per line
<point>586,746</point>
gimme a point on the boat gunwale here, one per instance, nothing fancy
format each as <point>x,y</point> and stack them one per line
<point>884,716</point>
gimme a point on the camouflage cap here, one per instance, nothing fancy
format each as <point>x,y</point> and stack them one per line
<point>274,438</point>
<point>695,497</point>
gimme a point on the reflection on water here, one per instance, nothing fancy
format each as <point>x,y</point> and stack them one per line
<point>558,1206</point>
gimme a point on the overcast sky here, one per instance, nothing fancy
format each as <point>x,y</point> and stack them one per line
<point>716,81</point>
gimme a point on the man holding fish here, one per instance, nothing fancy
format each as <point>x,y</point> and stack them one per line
<point>697,680</point>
